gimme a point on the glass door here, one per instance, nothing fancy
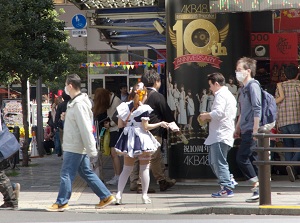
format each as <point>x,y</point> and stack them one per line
<point>113,82</point>
<point>133,80</point>
<point>94,82</point>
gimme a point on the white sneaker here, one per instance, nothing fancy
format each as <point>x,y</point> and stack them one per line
<point>255,195</point>
<point>233,181</point>
<point>113,181</point>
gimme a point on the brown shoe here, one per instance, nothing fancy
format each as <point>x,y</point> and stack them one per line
<point>171,180</point>
<point>164,184</point>
<point>139,190</point>
<point>133,187</point>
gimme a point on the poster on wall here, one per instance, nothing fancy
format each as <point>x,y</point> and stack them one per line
<point>284,46</point>
<point>260,48</point>
<point>46,107</point>
<point>198,43</point>
<point>284,51</point>
<point>12,112</point>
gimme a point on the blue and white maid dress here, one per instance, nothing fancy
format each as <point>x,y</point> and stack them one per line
<point>135,140</point>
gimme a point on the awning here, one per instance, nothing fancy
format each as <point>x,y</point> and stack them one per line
<point>132,26</point>
<point>4,92</point>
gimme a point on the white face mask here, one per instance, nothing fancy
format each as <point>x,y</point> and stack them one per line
<point>240,76</point>
<point>66,91</point>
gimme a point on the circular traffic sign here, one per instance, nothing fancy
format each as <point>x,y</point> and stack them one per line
<point>79,21</point>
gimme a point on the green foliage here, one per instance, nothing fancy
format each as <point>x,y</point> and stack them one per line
<point>35,43</point>
<point>12,173</point>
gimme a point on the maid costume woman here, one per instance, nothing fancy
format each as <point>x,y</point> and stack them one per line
<point>135,140</point>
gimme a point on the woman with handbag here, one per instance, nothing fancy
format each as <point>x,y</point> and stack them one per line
<point>136,141</point>
<point>105,104</point>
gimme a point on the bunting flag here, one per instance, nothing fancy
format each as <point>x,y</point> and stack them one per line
<point>124,64</point>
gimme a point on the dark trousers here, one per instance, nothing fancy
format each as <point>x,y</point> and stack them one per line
<point>245,156</point>
<point>48,145</point>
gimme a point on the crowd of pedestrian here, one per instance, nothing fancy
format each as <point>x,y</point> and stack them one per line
<point>143,115</point>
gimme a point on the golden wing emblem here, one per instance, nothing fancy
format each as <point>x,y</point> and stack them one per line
<point>223,33</point>
<point>172,37</point>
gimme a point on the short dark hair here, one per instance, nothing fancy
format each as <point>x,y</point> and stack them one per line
<point>150,77</point>
<point>216,77</point>
<point>75,80</point>
<point>248,63</point>
<point>291,71</point>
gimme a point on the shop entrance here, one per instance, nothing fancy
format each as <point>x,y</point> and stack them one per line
<point>112,83</point>
<point>94,83</point>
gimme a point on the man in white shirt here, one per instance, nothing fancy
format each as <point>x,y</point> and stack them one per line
<point>221,129</point>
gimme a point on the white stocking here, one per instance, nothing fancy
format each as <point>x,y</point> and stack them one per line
<point>145,177</point>
<point>123,179</point>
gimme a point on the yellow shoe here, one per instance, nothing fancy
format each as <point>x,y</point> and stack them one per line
<point>107,201</point>
<point>58,208</point>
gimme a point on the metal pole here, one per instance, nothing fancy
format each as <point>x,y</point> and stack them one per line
<point>39,123</point>
<point>264,173</point>
<point>28,104</point>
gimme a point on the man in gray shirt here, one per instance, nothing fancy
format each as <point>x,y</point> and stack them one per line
<point>248,122</point>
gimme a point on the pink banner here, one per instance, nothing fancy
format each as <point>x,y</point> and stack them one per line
<point>199,58</point>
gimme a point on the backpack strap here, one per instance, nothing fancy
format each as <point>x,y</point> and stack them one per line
<point>248,86</point>
<point>112,100</point>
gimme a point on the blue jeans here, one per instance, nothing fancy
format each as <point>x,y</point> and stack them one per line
<point>217,158</point>
<point>73,163</point>
<point>245,157</point>
<point>57,143</point>
<point>291,129</point>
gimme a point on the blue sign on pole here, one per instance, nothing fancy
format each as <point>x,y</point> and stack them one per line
<point>79,21</point>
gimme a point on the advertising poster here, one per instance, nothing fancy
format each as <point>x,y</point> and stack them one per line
<point>260,46</point>
<point>12,112</point>
<point>45,111</point>
<point>198,43</point>
<point>284,46</point>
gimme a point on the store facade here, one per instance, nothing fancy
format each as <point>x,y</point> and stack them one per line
<point>201,37</point>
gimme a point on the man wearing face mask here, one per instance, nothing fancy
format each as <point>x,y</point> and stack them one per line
<point>79,144</point>
<point>248,122</point>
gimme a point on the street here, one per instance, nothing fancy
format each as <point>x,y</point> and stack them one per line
<point>35,217</point>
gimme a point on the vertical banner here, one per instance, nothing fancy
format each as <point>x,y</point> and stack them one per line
<point>283,51</point>
<point>284,46</point>
<point>198,43</point>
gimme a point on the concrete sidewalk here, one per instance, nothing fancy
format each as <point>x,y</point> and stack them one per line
<point>40,183</point>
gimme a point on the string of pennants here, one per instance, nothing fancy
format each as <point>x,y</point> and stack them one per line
<point>124,64</point>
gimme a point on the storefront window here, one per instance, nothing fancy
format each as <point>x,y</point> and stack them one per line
<point>134,80</point>
<point>137,56</point>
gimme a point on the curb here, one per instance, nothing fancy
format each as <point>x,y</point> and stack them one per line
<point>261,210</point>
